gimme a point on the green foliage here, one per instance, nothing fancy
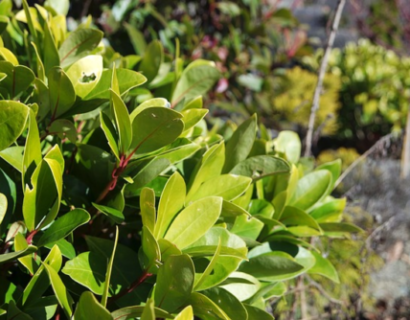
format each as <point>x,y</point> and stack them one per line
<point>117,205</point>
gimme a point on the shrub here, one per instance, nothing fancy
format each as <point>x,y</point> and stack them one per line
<point>112,187</point>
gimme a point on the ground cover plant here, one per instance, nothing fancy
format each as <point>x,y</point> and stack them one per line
<point>118,202</point>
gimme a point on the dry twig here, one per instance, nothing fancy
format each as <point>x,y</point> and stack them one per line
<point>321,75</point>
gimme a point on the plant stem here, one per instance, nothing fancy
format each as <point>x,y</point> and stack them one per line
<point>321,76</point>
<point>30,236</point>
<point>145,275</point>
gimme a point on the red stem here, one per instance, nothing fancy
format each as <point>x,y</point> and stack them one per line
<point>30,236</point>
<point>145,275</point>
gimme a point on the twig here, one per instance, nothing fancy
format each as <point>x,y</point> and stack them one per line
<point>313,283</point>
<point>321,75</point>
<point>385,225</point>
<point>363,156</point>
<point>405,157</point>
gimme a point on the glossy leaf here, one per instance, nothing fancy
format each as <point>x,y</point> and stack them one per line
<point>63,226</point>
<point>109,271</point>
<point>194,221</point>
<point>175,282</point>
<point>18,79</point>
<point>311,189</point>
<point>151,253</point>
<point>20,244</point>
<point>15,255</point>
<point>324,267</point>
<point>147,205</point>
<point>110,133</point>
<point>227,186</point>
<point>172,201</point>
<point>14,116</point>
<point>259,167</point>
<point>240,144</point>
<point>273,265</point>
<point>62,93</point>
<point>205,308</point>
<point>89,308</point>
<point>154,128</point>
<point>195,81</point>
<point>186,314</point>
<point>3,207</point>
<point>78,44</point>
<point>295,219</point>
<point>63,297</point>
<point>151,61</point>
<point>256,313</point>
<point>289,144</point>
<point>136,311</point>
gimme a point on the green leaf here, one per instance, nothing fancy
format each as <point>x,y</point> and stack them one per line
<point>14,157</point>
<point>329,211</point>
<point>194,221</point>
<point>136,311</point>
<point>227,186</point>
<point>89,308</point>
<point>123,123</point>
<point>89,269</point>
<point>256,313</point>
<point>240,144</point>
<point>175,282</point>
<point>110,133</point>
<point>259,167</point>
<point>324,267</point>
<point>18,79</point>
<point>210,166</point>
<point>59,6</point>
<point>15,255</point>
<point>192,117</point>
<point>152,59</point>
<point>51,57</point>
<point>137,38</point>
<point>3,207</point>
<point>14,313</point>
<point>29,20</point>
<point>186,314</point>
<point>109,271</point>
<point>78,44</point>
<point>127,80</point>
<point>295,219</point>
<point>147,205</point>
<point>64,129</point>
<point>62,93</point>
<point>40,200</point>
<point>32,152</point>
<point>227,302</point>
<point>288,143</point>
<point>311,189</point>
<point>13,117</point>
<point>195,81</point>
<point>231,244</point>
<point>66,248</point>
<point>115,215</point>
<point>171,202</point>
<point>272,265</point>
<point>339,228</point>
<point>155,102</point>
<point>20,244</point>
<point>40,282</point>
<point>85,74</point>
<point>205,308</point>
<point>147,174</point>
<point>209,268</point>
<point>247,228</point>
<point>149,311</point>
<point>63,297</point>
<point>334,167</point>
<point>151,256</point>
<point>154,128</point>
<point>231,210</point>
<point>63,226</point>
